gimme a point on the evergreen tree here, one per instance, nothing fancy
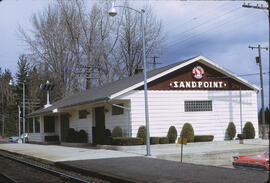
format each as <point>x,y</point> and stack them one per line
<point>8,111</point>
<point>22,76</point>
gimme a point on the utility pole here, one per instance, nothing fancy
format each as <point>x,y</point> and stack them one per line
<point>241,120</point>
<point>19,117</point>
<point>259,61</point>
<point>23,83</point>
<point>265,8</point>
<point>154,63</point>
<point>262,7</point>
<point>88,72</point>
<point>3,116</point>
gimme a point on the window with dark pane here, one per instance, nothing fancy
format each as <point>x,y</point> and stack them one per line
<point>83,114</point>
<point>49,124</point>
<point>37,124</point>
<point>117,110</point>
<point>31,127</point>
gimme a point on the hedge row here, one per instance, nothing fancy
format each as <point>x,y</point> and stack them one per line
<point>187,132</point>
<point>164,140</point>
<point>53,138</point>
<point>159,140</point>
<point>154,140</point>
<point>203,138</point>
<point>77,136</point>
<point>126,141</point>
<point>122,141</point>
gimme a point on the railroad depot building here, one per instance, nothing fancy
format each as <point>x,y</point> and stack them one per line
<point>195,91</point>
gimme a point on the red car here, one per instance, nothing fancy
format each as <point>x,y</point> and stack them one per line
<point>256,161</point>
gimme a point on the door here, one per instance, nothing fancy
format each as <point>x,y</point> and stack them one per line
<point>99,129</point>
<point>64,127</point>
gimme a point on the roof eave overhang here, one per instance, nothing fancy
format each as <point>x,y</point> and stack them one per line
<point>104,99</point>
<point>226,72</point>
<point>181,65</point>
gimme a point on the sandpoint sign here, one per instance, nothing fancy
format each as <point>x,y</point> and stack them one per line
<point>198,73</point>
<point>197,84</point>
<point>196,77</point>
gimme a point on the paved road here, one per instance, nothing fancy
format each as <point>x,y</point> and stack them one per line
<point>150,170</point>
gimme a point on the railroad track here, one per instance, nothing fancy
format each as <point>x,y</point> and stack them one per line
<point>62,176</point>
<point>6,178</point>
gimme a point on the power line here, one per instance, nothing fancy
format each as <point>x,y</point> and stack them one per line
<point>88,72</point>
<point>154,63</point>
<point>240,75</point>
<point>215,28</point>
<point>206,30</point>
<point>192,36</point>
<point>202,24</point>
<point>264,73</point>
<point>194,18</point>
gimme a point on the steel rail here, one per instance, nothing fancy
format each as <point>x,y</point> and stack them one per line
<point>44,169</point>
<point>8,178</point>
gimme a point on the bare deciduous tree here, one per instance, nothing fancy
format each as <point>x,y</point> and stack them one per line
<point>67,35</point>
<point>130,41</point>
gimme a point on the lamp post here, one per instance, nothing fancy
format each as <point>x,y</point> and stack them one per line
<point>112,12</point>
<point>23,83</point>
<point>19,117</point>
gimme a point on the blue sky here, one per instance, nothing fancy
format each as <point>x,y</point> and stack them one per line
<point>218,30</point>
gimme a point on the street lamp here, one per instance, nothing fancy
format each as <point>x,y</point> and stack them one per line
<point>19,117</point>
<point>112,12</point>
<point>23,83</point>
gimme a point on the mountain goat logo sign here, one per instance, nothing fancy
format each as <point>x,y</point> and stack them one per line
<point>198,72</point>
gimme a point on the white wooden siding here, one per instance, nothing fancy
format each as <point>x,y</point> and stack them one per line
<point>123,120</point>
<point>81,124</point>
<point>166,108</point>
<point>36,137</point>
<point>40,137</point>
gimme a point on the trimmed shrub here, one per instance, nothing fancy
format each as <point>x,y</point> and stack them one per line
<point>231,130</point>
<point>108,133</point>
<point>71,135</point>
<point>249,130</point>
<point>241,136</point>
<point>142,133</point>
<point>188,132</point>
<point>126,141</point>
<point>53,138</point>
<point>117,132</point>
<point>163,140</point>
<point>108,137</point>
<point>172,134</point>
<point>82,136</point>
<point>154,140</point>
<point>77,137</point>
<point>203,138</point>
